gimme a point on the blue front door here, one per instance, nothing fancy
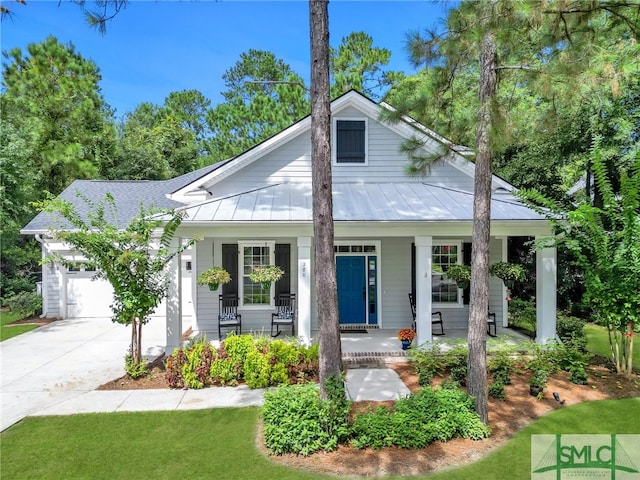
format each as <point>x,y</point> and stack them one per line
<point>351,278</point>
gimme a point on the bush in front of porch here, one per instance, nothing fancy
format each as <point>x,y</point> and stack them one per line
<point>260,362</point>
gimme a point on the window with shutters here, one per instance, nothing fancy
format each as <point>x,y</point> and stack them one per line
<point>350,144</point>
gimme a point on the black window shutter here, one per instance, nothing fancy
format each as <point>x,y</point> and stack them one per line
<point>466,260</point>
<point>283,260</point>
<point>350,141</point>
<point>413,269</point>
<point>230,264</point>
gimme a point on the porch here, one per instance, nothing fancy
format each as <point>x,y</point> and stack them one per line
<point>381,346</point>
<point>376,347</point>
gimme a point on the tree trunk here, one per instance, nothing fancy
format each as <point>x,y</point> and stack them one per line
<point>325,270</point>
<point>479,303</point>
<point>136,341</point>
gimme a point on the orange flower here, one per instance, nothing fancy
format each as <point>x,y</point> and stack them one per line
<point>406,334</point>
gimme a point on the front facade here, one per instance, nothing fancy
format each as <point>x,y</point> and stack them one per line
<point>394,234</point>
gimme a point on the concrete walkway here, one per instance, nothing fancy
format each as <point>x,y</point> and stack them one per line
<point>54,370</point>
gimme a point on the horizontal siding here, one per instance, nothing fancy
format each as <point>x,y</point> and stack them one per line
<point>395,273</point>
<point>209,253</point>
<point>292,163</point>
<point>52,290</point>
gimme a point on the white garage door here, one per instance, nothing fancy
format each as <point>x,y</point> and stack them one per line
<point>86,297</point>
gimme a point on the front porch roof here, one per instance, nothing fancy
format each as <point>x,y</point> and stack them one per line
<point>376,202</point>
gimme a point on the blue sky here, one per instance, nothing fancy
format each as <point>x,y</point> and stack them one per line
<point>153,48</point>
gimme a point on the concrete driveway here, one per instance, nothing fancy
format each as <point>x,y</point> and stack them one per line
<point>65,359</point>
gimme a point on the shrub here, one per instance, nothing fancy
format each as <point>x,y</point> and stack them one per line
<point>420,419</point>
<point>135,369</point>
<point>496,390</point>
<point>546,358</point>
<point>296,420</point>
<point>190,367</point>
<point>578,376</point>
<point>237,347</point>
<point>459,375</point>
<point>571,332</point>
<point>501,366</point>
<point>25,304</point>
<point>427,362</point>
<point>257,369</point>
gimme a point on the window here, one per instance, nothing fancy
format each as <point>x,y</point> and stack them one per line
<point>255,255</point>
<point>443,289</point>
<point>351,141</point>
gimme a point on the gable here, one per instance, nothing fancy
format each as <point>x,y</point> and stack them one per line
<point>286,157</point>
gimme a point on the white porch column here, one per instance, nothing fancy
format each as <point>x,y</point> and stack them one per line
<point>174,301</point>
<point>304,289</point>
<point>546,283</point>
<point>423,288</point>
<point>505,304</point>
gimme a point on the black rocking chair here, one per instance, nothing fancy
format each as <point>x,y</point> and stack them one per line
<point>491,322</point>
<point>285,314</point>
<point>228,316</point>
<point>437,321</point>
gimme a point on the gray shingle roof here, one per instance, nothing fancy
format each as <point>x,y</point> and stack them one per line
<point>128,196</point>
<point>291,202</point>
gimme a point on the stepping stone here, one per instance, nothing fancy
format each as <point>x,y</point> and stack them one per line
<point>375,384</point>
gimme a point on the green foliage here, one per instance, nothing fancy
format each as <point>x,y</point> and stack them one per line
<point>605,241</point>
<point>356,64</point>
<point>419,419</point>
<point>522,315</point>
<point>122,255</point>
<point>428,361</point>
<point>25,304</point>
<point>154,143</point>
<point>571,332</point>
<point>539,379</point>
<point>578,376</point>
<point>189,367</point>
<point>501,367</point>
<point>507,271</point>
<point>459,273</point>
<point>296,420</point>
<point>53,101</point>
<point>263,96</point>
<point>261,362</point>
<point>496,390</point>
<point>135,369</point>
<point>544,358</point>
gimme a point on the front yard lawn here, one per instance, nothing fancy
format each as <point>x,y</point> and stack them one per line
<point>221,444</point>
<point>7,332</point>
<point>598,343</point>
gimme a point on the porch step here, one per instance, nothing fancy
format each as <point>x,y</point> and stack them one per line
<point>372,359</point>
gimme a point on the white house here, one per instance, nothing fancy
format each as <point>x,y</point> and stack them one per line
<point>392,231</point>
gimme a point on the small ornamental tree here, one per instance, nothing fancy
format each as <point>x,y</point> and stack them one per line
<point>132,259</point>
<point>606,244</point>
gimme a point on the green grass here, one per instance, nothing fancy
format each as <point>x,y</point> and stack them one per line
<point>598,343</point>
<point>9,332</point>
<point>220,444</point>
<point>513,461</point>
<point>197,444</point>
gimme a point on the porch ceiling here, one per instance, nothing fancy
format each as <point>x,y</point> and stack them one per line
<point>375,202</point>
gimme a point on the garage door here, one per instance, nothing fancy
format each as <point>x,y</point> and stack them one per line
<point>86,297</point>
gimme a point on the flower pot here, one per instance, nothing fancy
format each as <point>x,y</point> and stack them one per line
<point>266,285</point>
<point>405,344</point>
<point>213,287</point>
<point>535,391</point>
<point>462,284</point>
<point>508,283</point>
